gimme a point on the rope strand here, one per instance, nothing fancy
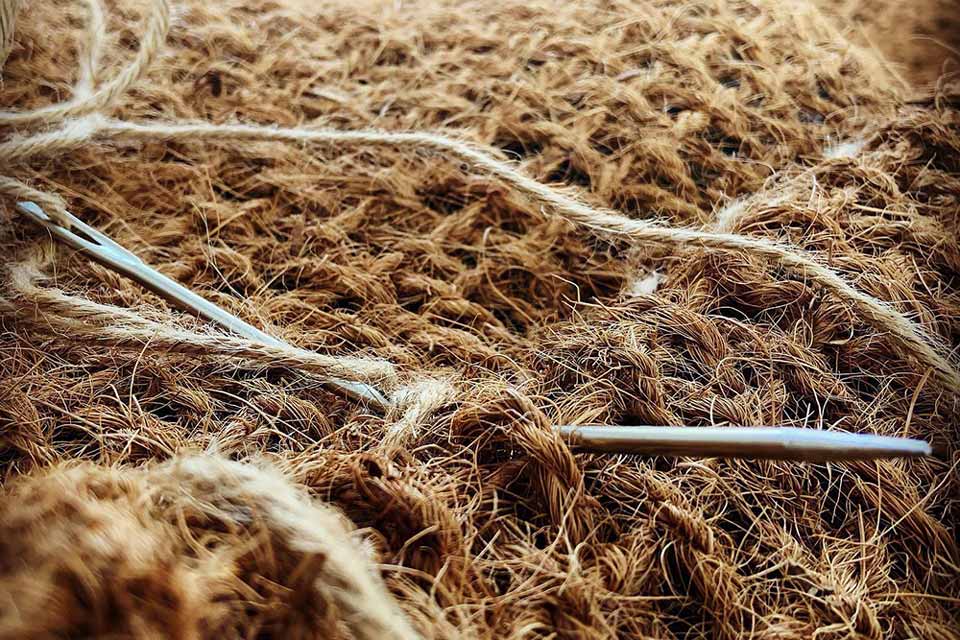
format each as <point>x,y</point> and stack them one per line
<point>83,102</point>
<point>124,328</point>
<point>912,340</point>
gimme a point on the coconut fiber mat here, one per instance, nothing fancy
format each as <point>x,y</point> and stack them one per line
<point>620,248</point>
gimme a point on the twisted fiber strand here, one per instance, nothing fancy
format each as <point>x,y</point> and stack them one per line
<point>78,312</point>
<point>912,340</point>
<point>70,135</point>
<point>123,328</point>
<point>155,33</point>
<point>65,138</point>
<point>74,133</point>
<point>19,191</point>
<point>413,405</point>
<point>90,57</point>
<point>344,576</point>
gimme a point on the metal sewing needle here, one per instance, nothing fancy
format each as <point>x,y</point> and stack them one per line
<point>774,443</point>
<point>102,249</point>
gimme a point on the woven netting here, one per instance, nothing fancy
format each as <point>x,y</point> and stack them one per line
<point>174,483</point>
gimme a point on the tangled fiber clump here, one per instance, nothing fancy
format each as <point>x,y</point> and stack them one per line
<point>499,316</point>
<point>186,549</point>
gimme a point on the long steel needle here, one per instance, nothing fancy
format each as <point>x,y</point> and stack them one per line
<point>772,443</point>
<point>738,442</point>
<point>102,249</point>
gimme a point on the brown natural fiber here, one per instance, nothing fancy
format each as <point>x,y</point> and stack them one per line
<point>8,18</point>
<point>921,38</point>
<point>185,549</point>
<point>500,316</point>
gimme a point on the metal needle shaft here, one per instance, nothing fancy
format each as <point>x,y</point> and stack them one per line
<point>110,254</point>
<point>735,442</point>
<point>775,443</point>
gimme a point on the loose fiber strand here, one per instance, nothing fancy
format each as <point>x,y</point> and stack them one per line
<point>913,340</point>
<point>125,329</point>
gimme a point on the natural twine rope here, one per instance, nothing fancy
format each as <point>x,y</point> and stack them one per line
<point>910,340</point>
<point>123,328</point>
<point>85,101</point>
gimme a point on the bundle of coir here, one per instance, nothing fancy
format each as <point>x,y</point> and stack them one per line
<point>163,479</point>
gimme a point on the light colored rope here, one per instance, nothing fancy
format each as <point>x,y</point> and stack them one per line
<point>122,328</point>
<point>413,406</point>
<point>154,35</point>
<point>912,340</point>
<point>90,55</point>
<point>15,150</point>
<point>72,134</point>
<point>18,191</point>
<point>83,94</point>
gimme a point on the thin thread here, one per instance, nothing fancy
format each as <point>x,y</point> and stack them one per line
<point>123,328</point>
<point>154,35</point>
<point>19,191</point>
<point>72,134</point>
<point>90,57</point>
<point>912,339</point>
<point>413,405</point>
<point>77,313</point>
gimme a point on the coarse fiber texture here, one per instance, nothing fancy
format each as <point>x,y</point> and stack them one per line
<point>162,479</point>
<point>922,38</point>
